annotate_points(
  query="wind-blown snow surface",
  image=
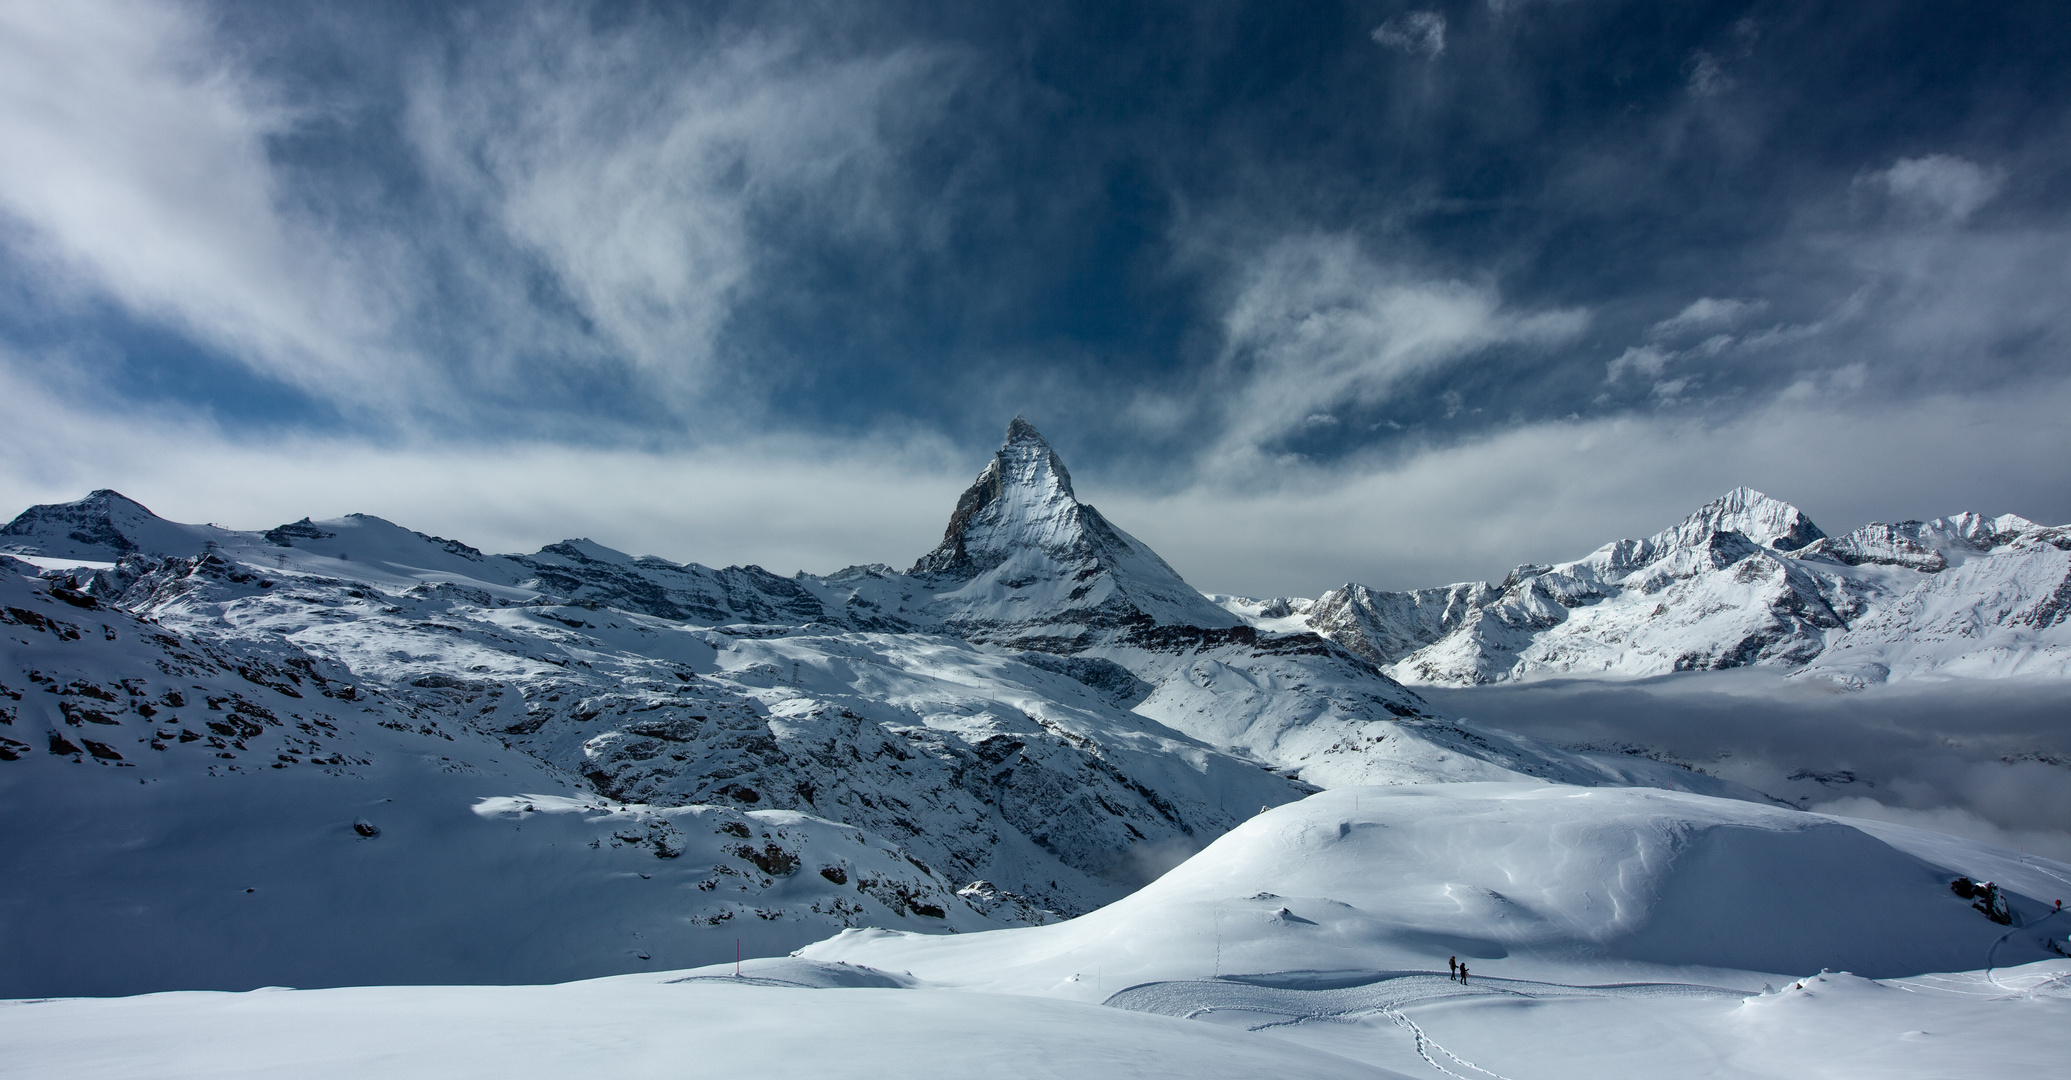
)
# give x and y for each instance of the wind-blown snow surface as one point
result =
(1530, 881)
(1746, 580)
(1609, 933)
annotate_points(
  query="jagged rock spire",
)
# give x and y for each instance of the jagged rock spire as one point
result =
(1021, 551)
(1025, 483)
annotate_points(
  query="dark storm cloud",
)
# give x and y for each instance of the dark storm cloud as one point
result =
(1221, 252)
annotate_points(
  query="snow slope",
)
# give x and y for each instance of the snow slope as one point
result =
(1528, 881)
(180, 814)
(1609, 932)
(633, 1027)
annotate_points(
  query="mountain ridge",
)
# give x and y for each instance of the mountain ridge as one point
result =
(1745, 580)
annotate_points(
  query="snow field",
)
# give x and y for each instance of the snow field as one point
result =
(630, 1027)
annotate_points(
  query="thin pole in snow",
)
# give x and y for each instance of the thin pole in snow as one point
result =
(737, 958)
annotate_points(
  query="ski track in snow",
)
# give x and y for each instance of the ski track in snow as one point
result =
(1383, 992)
(1386, 994)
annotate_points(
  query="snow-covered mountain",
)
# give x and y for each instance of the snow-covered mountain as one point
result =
(342, 752)
(1024, 560)
(1746, 580)
(1035, 721)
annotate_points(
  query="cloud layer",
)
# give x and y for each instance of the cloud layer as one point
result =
(1408, 295)
(1989, 762)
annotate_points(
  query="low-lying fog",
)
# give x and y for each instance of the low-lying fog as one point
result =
(1985, 760)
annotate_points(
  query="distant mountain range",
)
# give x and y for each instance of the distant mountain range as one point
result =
(1746, 580)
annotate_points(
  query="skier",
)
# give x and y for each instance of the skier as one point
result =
(1452, 967)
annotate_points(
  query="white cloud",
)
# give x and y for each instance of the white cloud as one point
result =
(1416, 32)
(1317, 324)
(1705, 313)
(1644, 361)
(1468, 511)
(1670, 390)
(785, 501)
(1955, 821)
(631, 170)
(1941, 185)
(1546, 492)
(1649, 362)
(1966, 757)
(137, 159)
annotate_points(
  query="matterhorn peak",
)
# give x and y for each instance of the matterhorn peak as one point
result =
(1023, 495)
(1022, 552)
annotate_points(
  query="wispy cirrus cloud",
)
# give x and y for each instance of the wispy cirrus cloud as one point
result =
(642, 179)
(138, 167)
(1316, 324)
(1708, 313)
(575, 211)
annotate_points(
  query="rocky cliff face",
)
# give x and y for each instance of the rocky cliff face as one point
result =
(1994, 602)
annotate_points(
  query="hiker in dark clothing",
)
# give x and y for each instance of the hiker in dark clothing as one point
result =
(1452, 967)
(1463, 974)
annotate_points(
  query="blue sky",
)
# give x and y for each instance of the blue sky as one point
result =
(1305, 293)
